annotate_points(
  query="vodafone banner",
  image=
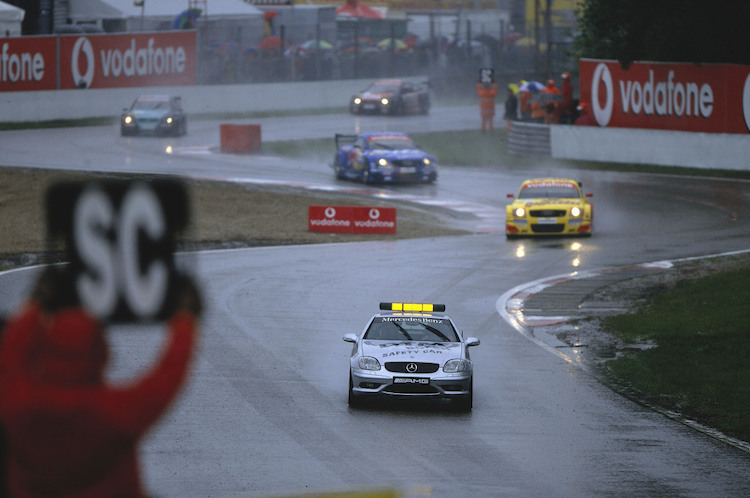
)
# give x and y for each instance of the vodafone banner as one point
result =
(133, 59)
(352, 219)
(97, 61)
(28, 63)
(708, 98)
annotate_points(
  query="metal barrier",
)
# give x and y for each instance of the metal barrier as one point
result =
(529, 139)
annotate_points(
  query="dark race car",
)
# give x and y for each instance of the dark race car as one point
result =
(154, 115)
(382, 157)
(392, 97)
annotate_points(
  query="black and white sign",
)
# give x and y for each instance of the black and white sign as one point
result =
(120, 238)
(486, 75)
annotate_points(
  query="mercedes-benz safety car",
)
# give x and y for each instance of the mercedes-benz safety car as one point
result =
(154, 115)
(383, 157)
(411, 350)
(549, 206)
(392, 96)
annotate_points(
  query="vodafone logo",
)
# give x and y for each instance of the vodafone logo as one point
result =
(330, 212)
(374, 214)
(661, 94)
(82, 50)
(602, 112)
(746, 102)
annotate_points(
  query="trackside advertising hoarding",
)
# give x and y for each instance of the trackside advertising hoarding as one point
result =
(710, 98)
(352, 219)
(98, 61)
(28, 63)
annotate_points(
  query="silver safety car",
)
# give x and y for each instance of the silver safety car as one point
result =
(411, 350)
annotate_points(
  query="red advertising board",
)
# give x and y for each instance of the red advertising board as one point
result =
(352, 219)
(28, 63)
(709, 98)
(125, 60)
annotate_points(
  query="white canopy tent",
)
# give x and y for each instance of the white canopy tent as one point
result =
(11, 18)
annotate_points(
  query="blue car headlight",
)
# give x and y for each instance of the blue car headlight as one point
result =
(383, 163)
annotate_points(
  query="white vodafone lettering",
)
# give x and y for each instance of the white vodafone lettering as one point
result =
(666, 98)
(97, 287)
(145, 61)
(144, 291)
(24, 66)
(113, 265)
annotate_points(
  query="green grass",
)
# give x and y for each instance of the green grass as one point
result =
(699, 366)
(472, 148)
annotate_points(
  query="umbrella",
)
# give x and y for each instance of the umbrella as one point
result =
(546, 97)
(270, 43)
(393, 42)
(313, 44)
(186, 19)
(531, 86)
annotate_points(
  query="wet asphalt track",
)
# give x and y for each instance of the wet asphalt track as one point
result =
(265, 410)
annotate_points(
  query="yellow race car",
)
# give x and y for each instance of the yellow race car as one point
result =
(549, 206)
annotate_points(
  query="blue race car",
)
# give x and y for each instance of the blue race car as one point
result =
(154, 115)
(381, 157)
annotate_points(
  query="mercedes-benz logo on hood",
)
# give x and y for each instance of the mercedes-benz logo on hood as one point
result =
(411, 367)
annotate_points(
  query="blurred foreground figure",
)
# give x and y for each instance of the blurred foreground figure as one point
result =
(69, 433)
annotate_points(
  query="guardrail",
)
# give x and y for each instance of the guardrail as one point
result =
(529, 139)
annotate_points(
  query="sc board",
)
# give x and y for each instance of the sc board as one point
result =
(120, 239)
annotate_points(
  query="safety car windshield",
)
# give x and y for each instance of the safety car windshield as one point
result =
(411, 328)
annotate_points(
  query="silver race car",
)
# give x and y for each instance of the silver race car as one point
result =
(411, 350)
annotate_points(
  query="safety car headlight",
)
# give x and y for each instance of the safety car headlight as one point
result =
(455, 365)
(168, 120)
(357, 100)
(369, 363)
(519, 212)
(384, 101)
(576, 212)
(127, 119)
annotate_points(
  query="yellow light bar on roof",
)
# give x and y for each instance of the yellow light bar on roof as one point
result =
(418, 307)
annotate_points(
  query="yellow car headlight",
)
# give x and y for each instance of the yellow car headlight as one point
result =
(576, 212)
(519, 212)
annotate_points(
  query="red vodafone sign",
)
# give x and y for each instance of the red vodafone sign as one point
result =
(708, 98)
(28, 63)
(352, 219)
(133, 59)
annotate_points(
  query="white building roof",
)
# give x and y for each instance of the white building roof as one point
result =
(158, 8)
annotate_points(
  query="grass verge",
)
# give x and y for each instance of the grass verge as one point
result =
(701, 341)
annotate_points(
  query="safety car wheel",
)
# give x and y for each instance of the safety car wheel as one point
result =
(465, 403)
(354, 400)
